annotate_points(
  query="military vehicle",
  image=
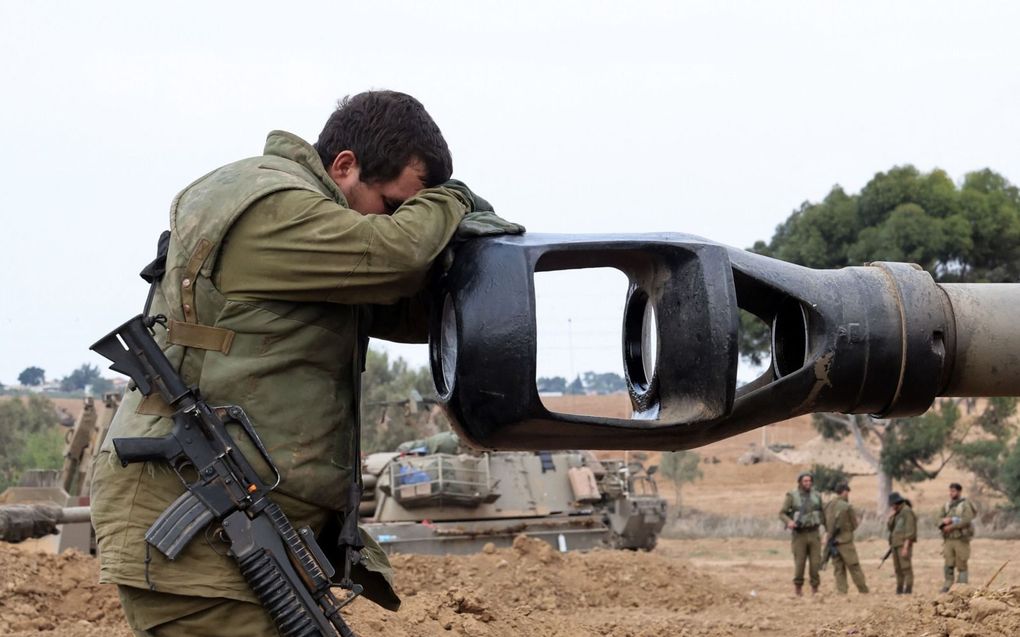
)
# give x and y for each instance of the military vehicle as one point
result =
(54, 504)
(430, 498)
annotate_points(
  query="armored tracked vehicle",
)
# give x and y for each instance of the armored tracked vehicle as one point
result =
(429, 497)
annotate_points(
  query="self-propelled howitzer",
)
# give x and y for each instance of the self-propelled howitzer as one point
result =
(884, 339)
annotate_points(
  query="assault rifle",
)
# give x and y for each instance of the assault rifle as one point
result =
(284, 566)
(885, 557)
(830, 550)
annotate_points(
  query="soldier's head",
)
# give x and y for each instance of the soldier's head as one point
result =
(805, 481)
(842, 490)
(955, 490)
(381, 148)
(896, 500)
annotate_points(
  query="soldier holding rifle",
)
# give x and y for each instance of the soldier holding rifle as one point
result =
(802, 515)
(840, 522)
(957, 529)
(902, 526)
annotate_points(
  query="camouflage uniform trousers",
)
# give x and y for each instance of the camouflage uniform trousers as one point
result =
(904, 569)
(155, 614)
(847, 560)
(956, 553)
(807, 547)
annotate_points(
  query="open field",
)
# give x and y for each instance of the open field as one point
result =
(707, 587)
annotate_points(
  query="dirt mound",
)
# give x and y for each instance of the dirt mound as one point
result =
(40, 593)
(966, 612)
(532, 589)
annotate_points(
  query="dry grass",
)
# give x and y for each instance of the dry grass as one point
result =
(694, 524)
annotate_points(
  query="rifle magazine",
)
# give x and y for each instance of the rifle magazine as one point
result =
(176, 526)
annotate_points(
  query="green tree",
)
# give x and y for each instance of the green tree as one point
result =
(826, 478)
(965, 233)
(680, 467)
(554, 384)
(604, 383)
(86, 376)
(396, 403)
(29, 438)
(917, 449)
(32, 376)
(994, 459)
(576, 387)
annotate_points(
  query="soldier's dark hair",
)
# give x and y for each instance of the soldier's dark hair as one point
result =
(385, 130)
(955, 485)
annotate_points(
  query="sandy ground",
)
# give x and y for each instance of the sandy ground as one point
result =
(685, 587)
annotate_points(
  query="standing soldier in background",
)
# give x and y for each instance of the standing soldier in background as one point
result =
(902, 527)
(956, 527)
(802, 514)
(840, 523)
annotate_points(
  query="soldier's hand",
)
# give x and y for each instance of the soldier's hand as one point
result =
(474, 225)
(791, 525)
(485, 224)
(904, 551)
(473, 202)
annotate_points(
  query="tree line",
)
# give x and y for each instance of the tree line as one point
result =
(86, 376)
(586, 383)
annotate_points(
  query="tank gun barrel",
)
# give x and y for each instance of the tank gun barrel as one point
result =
(987, 353)
(883, 339)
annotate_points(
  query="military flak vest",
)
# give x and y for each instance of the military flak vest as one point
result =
(291, 365)
(806, 512)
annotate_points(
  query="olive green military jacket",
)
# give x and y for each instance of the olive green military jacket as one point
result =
(805, 510)
(902, 527)
(271, 289)
(962, 512)
(841, 520)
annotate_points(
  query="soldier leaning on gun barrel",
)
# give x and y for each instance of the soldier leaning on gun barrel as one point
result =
(902, 526)
(280, 267)
(840, 522)
(802, 514)
(957, 529)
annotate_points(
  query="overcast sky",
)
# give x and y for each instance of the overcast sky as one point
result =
(714, 118)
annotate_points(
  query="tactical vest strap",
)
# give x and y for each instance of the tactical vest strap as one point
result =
(216, 339)
(154, 405)
(198, 257)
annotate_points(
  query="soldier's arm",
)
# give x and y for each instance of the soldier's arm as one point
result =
(299, 245)
(405, 321)
(910, 526)
(784, 513)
